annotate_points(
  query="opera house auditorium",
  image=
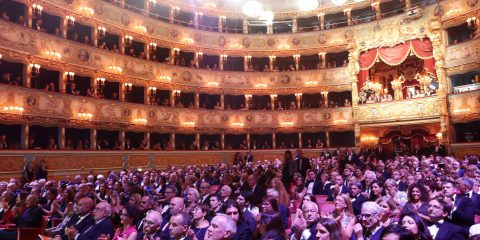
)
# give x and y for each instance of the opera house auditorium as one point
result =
(239, 119)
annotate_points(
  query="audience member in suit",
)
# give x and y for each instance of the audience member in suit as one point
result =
(370, 226)
(146, 204)
(305, 223)
(31, 217)
(204, 191)
(177, 204)
(466, 186)
(284, 212)
(179, 227)
(151, 226)
(337, 188)
(82, 218)
(438, 210)
(313, 184)
(463, 213)
(103, 226)
(357, 197)
(395, 231)
(255, 188)
(303, 163)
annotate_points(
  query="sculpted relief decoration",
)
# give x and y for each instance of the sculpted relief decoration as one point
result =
(400, 110)
(463, 53)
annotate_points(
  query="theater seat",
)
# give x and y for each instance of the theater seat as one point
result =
(321, 198)
(327, 207)
(32, 233)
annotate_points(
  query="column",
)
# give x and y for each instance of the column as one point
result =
(122, 92)
(62, 82)
(321, 20)
(300, 145)
(271, 62)
(327, 139)
(298, 97)
(146, 95)
(197, 99)
(245, 25)
(294, 25)
(357, 133)
(61, 137)
(221, 62)
(147, 8)
(171, 14)
(408, 4)
(197, 143)
(326, 99)
(27, 75)
(94, 36)
(222, 101)
(121, 44)
(195, 19)
(272, 101)
(269, 28)
(147, 51)
(172, 140)
(196, 58)
(323, 59)
(246, 103)
(222, 140)
(376, 8)
(122, 138)
(64, 27)
(248, 140)
(172, 55)
(29, 16)
(245, 62)
(220, 23)
(147, 139)
(172, 98)
(24, 137)
(348, 13)
(274, 144)
(93, 139)
(296, 58)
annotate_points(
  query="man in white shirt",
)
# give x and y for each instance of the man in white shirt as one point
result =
(370, 227)
(438, 210)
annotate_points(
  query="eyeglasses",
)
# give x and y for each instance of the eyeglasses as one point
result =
(367, 216)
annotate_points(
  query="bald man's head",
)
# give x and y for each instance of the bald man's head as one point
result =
(176, 205)
(85, 206)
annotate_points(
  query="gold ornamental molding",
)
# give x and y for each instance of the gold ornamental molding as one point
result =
(464, 107)
(404, 110)
(50, 109)
(465, 53)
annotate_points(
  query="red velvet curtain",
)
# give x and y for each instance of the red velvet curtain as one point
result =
(395, 55)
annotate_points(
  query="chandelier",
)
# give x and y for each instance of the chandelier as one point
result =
(252, 8)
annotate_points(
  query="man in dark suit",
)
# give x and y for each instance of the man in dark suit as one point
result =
(313, 184)
(103, 226)
(337, 188)
(31, 217)
(357, 197)
(151, 226)
(146, 204)
(179, 226)
(255, 188)
(464, 211)
(466, 184)
(305, 224)
(438, 210)
(82, 219)
(303, 163)
(204, 191)
(370, 226)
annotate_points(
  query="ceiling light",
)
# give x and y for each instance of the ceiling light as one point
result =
(338, 2)
(307, 5)
(267, 16)
(252, 8)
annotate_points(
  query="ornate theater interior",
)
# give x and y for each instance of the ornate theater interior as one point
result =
(100, 86)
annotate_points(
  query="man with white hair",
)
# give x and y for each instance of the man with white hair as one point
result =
(151, 226)
(305, 222)
(370, 227)
(370, 176)
(103, 224)
(222, 227)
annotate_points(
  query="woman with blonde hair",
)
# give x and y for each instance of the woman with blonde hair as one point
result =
(283, 196)
(343, 214)
(390, 211)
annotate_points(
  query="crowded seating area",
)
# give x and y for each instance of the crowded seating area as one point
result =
(335, 195)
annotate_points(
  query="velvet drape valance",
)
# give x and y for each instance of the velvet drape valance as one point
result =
(422, 48)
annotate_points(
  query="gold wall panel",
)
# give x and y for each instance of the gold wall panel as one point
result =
(81, 161)
(413, 109)
(137, 160)
(11, 163)
(464, 107)
(463, 53)
(461, 149)
(189, 159)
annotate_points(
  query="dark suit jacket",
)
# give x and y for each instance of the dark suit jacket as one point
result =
(243, 232)
(312, 228)
(80, 226)
(93, 232)
(402, 186)
(357, 204)
(344, 189)
(464, 214)
(317, 186)
(31, 217)
(476, 202)
(156, 235)
(259, 193)
(305, 165)
(285, 213)
(449, 231)
(378, 234)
